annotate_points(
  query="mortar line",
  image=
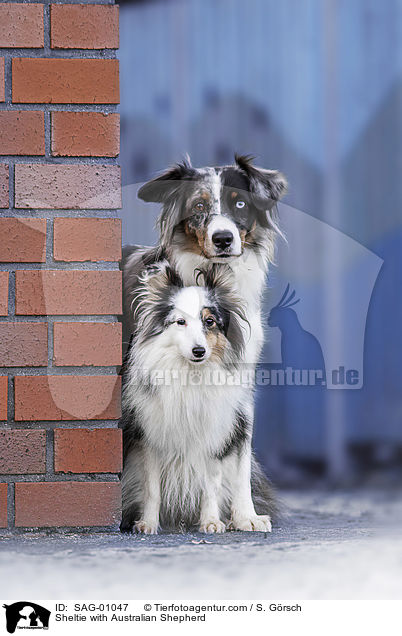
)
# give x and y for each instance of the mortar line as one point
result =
(53, 424)
(62, 317)
(10, 505)
(58, 54)
(49, 453)
(10, 399)
(79, 108)
(99, 266)
(11, 183)
(46, 27)
(7, 78)
(93, 371)
(11, 294)
(48, 135)
(59, 477)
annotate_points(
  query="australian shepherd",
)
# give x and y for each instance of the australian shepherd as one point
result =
(186, 413)
(224, 216)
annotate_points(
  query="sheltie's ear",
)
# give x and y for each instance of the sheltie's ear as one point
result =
(156, 282)
(158, 190)
(267, 187)
(173, 277)
(216, 276)
(153, 298)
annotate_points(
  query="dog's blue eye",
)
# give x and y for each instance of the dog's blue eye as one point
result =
(181, 321)
(240, 204)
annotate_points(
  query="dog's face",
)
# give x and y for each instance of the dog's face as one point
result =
(215, 212)
(193, 324)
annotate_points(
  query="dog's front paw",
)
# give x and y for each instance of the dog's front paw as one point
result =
(146, 527)
(212, 525)
(255, 523)
(126, 527)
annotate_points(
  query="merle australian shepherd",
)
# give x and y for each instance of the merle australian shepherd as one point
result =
(187, 448)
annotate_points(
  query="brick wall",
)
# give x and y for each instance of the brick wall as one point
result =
(60, 285)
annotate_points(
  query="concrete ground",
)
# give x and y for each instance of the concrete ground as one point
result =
(329, 546)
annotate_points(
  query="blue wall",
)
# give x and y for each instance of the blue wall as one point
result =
(312, 87)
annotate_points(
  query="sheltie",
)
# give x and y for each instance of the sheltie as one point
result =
(187, 413)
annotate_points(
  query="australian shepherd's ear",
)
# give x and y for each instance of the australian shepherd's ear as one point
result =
(266, 187)
(160, 189)
(268, 184)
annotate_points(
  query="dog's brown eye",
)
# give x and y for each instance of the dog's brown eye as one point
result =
(240, 204)
(199, 206)
(209, 322)
(181, 321)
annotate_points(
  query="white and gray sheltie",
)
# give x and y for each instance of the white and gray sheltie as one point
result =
(203, 471)
(186, 410)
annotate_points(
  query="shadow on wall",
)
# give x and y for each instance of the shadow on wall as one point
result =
(293, 402)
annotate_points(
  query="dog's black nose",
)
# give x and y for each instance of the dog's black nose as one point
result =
(222, 239)
(198, 352)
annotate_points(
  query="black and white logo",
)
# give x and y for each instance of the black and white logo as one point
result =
(26, 615)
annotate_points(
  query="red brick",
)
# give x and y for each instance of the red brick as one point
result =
(87, 239)
(3, 185)
(66, 504)
(23, 344)
(3, 293)
(74, 292)
(87, 343)
(85, 134)
(81, 450)
(67, 186)
(3, 397)
(22, 240)
(2, 85)
(83, 26)
(22, 132)
(67, 397)
(22, 452)
(21, 25)
(65, 81)
(3, 505)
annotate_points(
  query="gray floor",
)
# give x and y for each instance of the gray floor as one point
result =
(329, 546)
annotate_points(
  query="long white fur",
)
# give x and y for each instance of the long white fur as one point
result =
(184, 427)
(175, 470)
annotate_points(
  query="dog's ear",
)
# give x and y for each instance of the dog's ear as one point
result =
(215, 276)
(161, 188)
(160, 277)
(266, 186)
(174, 277)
